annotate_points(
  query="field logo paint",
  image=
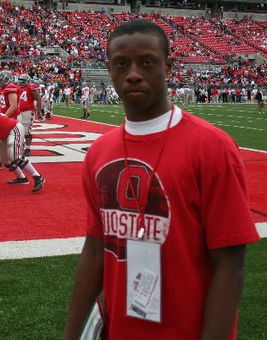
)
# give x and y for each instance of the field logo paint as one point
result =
(62, 145)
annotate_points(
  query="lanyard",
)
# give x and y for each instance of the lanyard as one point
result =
(141, 210)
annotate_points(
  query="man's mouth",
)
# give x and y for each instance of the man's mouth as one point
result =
(135, 92)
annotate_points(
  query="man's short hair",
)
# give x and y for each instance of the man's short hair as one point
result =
(140, 26)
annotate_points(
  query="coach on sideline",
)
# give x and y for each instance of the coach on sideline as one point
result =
(168, 215)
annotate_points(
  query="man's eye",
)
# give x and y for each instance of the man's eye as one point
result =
(120, 64)
(147, 63)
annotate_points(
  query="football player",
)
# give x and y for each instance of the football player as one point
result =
(85, 100)
(42, 91)
(11, 147)
(8, 96)
(28, 93)
(50, 101)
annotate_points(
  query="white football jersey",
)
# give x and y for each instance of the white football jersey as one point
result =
(85, 92)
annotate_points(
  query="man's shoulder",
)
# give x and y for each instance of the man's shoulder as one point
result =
(104, 147)
(10, 88)
(108, 138)
(206, 131)
(33, 86)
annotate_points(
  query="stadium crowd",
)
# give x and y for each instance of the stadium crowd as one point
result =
(213, 44)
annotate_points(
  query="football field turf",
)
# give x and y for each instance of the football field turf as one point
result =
(241, 121)
(34, 292)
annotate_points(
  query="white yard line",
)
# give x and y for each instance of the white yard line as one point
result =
(60, 246)
(233, 116)
(239, 127)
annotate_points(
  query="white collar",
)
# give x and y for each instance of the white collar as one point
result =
(155, 125)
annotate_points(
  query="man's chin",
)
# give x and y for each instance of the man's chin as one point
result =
(136, 98)
(136, 104)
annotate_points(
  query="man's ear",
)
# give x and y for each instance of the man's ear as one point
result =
(169, 65)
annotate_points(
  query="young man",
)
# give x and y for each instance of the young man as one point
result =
(42, 92)
(168, 216)
(50, 101)
(85, 100)
(258, 98)
(11, 146)
(67, 93)
(28, 94)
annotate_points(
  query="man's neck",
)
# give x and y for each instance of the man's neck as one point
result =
(137, 115)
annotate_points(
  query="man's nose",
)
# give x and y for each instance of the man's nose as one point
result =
(134, 74)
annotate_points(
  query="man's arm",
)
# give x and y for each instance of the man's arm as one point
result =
(37, 97)
(13, 103)
(87, 286)
(224, 292)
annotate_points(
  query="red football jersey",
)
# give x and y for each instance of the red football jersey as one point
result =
(26, 98)
(4, 101)
(6, 124)
(197, 201)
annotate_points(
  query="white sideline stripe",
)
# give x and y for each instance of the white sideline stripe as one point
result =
(60, 246)
(79, 119)
(41, 248)
(254, 150)
(262, 229)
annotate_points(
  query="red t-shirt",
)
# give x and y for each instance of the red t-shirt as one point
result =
(26, 98)
(198, 201)
(237, 91)
(6, 124)
(4, 101)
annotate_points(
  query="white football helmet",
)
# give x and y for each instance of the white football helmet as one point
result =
(5, 78)
(24, 79)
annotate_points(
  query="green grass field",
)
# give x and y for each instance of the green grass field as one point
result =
(35, 293)
(34, 296)
(241, 121)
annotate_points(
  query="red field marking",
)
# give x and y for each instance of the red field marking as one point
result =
(42, 152)
(256, 168)
(253, 155)
(58, 211)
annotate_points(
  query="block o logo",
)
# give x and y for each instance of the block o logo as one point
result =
(118, 207)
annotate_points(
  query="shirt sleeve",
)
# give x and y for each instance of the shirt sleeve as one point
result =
(94, 222)
(11, 89)
(225, 206)
(34, 87)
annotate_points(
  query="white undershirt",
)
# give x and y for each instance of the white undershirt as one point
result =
(155, 125)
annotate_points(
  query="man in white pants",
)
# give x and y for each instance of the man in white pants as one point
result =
(11, 147)
(85, 100)
(28, 94)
